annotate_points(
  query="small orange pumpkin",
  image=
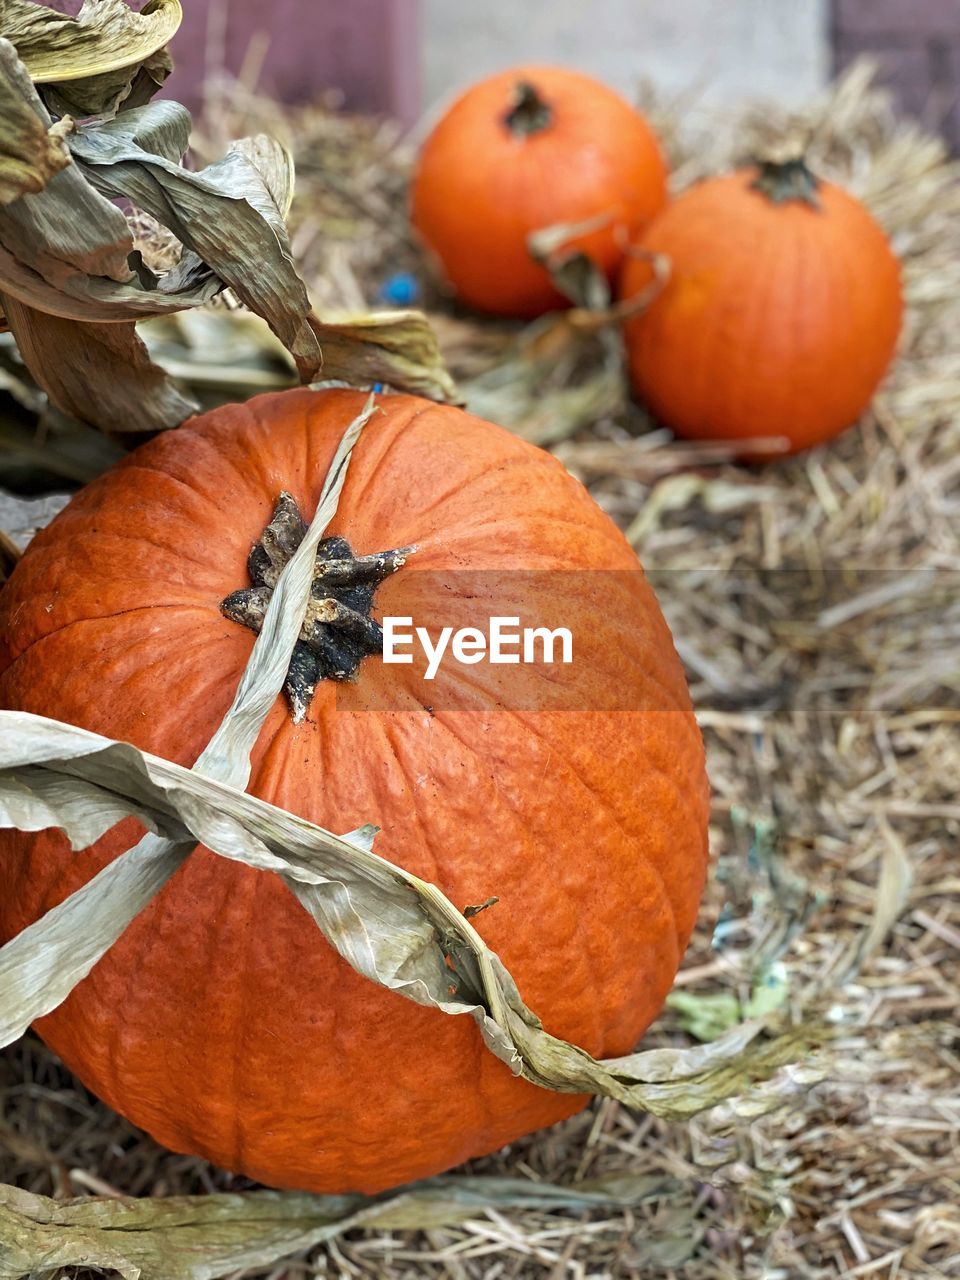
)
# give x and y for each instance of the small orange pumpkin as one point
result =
(781, 313)
(221, 1021)
(521, 151)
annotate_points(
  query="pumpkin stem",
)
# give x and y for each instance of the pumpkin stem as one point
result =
(529, 113)
(785, 180)
(337, 632)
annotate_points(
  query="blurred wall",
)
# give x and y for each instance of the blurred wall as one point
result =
(917, 48)
(732, 49)
(396, 56)
(295, 50)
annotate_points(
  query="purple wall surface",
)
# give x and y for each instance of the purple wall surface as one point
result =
(298, 49)
(917, 44)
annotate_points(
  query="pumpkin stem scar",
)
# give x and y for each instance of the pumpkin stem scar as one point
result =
(785, 180)
(338, 631)
(528, 113)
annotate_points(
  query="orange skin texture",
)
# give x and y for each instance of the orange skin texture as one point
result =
(480, 190)
(222, 1022)
(777, 320)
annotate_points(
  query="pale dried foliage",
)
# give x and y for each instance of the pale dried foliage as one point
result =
(818, 613)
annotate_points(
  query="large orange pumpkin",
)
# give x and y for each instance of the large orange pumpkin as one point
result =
(781, 314)
(222, 1022)
(521, 151)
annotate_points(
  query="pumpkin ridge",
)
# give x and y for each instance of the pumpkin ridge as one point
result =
(653, 767)
(139, 540)
(464, 742)
(132, 465)
(614, 538)
(528, 843)
(464, 677)
(106, 617)
(392, 436)
(766, 305)
(119, 1033)
(457, 488)
(238, 1004)
(438, 868)
(633, 837)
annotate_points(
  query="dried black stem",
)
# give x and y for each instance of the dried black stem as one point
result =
(338, 631)
(529, 112)
(785, 180)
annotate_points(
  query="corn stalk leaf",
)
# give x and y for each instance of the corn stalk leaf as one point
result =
(89, 64)
(67, 252)
(225, 214)
(142, 399)
(203, 1237)
(398, 348)
(389, 925)
(32, 149)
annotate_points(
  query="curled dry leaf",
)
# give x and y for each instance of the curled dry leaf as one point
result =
(67, 257)
(89, 64)
(394, 347)
(143, 399)
(32, 149)
(274, 163)
(202, 1237)
(225, 214)
(68, 254)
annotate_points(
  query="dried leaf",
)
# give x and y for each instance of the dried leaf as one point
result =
(32, 149)
(68, 251)
(275, 165)
(94, 61)
(572, 271)
(203, 1237)
(67, 255)
(223, 353)
(397, 348)
(225, 213)
(69, 359)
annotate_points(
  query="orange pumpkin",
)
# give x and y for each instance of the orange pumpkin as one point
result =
(521, 151)
(222, 1022)
(781, 313)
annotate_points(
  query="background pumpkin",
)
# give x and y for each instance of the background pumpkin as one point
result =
(521, 151)
(222, 1022)
(781, 314)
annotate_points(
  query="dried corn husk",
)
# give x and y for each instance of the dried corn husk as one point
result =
(73, 283)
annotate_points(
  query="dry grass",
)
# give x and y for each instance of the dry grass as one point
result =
(817, 604)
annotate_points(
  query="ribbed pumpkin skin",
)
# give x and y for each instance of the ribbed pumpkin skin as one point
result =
(480, 190)
(222, 1022)
(778, 319)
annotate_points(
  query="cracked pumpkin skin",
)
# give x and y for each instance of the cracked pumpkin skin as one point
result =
(222, 1022)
